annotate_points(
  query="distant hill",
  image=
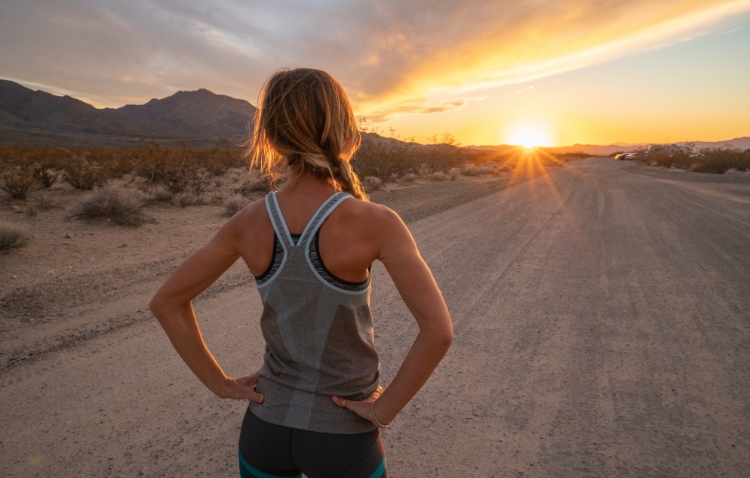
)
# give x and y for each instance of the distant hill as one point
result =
(597, 150)
(37, 118)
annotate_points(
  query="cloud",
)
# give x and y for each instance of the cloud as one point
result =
(393, 57)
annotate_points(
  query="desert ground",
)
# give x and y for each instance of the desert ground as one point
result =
(601, 314)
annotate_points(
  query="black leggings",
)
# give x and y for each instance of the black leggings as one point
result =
(267, 450)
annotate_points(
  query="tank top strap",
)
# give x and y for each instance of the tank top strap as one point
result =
(277, 219)
(325, 209)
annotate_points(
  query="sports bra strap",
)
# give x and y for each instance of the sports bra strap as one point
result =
(279, 224)
(274, 212)
(323, 212)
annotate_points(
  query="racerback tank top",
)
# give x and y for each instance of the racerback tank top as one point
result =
(319, 335)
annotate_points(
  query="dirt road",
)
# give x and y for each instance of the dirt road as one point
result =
(602, 318)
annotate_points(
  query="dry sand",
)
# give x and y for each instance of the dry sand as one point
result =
(602, 318)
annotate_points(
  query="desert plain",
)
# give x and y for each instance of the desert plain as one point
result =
(601, 314)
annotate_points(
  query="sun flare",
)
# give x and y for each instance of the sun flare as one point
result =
(529, 136)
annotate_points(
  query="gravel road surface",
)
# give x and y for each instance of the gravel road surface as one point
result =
(602, 318)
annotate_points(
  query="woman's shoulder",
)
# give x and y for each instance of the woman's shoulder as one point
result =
(368, 217)
(249, 220)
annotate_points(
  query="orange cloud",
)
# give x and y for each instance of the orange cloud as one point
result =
(393, 57)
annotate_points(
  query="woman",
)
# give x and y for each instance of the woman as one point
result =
(316, 405)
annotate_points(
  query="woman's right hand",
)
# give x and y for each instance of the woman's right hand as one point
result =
(363, 408)
(243, 388)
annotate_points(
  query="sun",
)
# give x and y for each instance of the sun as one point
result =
(529, 136)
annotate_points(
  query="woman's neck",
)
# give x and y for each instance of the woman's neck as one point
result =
(307, 185)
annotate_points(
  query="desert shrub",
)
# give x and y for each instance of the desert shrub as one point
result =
(371, 183)
(409, 177)
(453, 173)
(17, 182)
(12, 237)
(44, 173)
(84, 174)
(45, 202)
(121, 208)
(187, 200)
(263, 184)
(159, 194)
(389, 158)
(721, 160)
(30, 211)
(235, 205)
(482, 169)
(708, 160)
(439, 176)
(184, 169)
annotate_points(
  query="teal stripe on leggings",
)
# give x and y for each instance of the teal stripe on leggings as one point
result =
(256, 473)
(380, 471)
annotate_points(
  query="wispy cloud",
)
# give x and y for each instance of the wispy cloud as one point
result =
(393, 57)
(417, 106)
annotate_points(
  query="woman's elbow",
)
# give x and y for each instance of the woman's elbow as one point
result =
(446, 338)
(157, 306)
(442, 338)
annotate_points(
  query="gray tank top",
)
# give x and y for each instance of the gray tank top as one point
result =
(319, 335)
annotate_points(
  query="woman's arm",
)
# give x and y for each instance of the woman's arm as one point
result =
(172, 306)
(422, 296)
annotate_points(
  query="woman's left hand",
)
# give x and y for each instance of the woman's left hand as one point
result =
(243, 388)
(363, 408)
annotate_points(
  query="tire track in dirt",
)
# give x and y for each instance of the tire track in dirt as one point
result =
(77, 307)
(601, 330)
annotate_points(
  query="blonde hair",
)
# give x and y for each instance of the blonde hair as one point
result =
(304, 119)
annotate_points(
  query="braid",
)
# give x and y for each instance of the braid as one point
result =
(349, 181)
(342, 173)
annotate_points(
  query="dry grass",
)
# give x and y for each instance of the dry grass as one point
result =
(439, 176)
(482, 169)
(44, 203)
(17, 182)
(251, 186)
(11, 237)
(235, 205)
(121, 208)
(371, 183)
(84, 174)
(187, 200)
(159, 194)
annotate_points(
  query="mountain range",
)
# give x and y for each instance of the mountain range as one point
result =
(37, 118)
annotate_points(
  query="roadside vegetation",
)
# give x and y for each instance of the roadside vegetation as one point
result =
(187, 173)
(687, 157)
(115, 185)
(121, 208)
(11, 237)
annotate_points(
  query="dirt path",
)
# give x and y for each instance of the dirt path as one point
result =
(601, 316)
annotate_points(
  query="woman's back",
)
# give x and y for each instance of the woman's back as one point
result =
(318, 331)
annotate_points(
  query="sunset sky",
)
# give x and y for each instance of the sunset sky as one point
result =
(489, 72)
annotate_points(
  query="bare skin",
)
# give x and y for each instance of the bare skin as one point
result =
(355, 235)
